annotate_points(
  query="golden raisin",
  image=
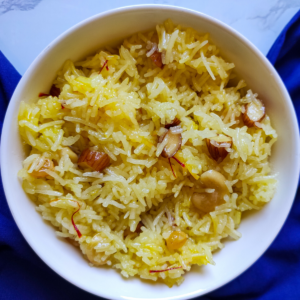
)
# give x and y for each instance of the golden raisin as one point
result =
(156, 58)
(176, 240)
(54, 91)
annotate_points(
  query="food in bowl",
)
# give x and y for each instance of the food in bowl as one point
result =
(146, 155)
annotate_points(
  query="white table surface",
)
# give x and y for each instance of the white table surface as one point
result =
(28, 26)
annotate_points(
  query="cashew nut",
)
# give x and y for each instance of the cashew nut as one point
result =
(207, 202)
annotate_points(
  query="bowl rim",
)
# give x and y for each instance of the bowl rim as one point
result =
(120, 10)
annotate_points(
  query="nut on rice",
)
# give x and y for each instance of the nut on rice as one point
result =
(118, 103)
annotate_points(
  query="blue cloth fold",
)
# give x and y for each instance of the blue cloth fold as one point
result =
(276, 275)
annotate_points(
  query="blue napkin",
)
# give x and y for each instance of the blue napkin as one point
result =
(276, 275)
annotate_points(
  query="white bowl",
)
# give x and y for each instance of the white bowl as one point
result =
(258, 229)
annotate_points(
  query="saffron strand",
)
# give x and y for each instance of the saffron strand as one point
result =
(74, 225)
(182, 164)
(104, 66)
(169, 269)
(171, 167)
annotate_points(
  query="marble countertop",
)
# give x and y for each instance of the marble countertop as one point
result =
(28, 26)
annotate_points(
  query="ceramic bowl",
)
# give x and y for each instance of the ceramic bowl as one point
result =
(258, 229)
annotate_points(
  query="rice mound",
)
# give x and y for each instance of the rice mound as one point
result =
(118, 101)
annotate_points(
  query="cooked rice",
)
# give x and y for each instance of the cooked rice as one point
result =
(120, 111)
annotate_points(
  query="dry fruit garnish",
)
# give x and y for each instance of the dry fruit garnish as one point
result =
(156, 58)
(54, 91)
(253, 112)
(173, 143)
(206, 202)
(176, 240)
(175, 122)
(217, 146)
(93, 159)
(173, 140)
(48, 165)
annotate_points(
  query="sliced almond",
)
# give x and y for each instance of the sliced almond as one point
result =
(217, 147)
(175, 122)
(254, 112)
(93, 159)
(173, 143)
(156, 58)
(48, 165)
